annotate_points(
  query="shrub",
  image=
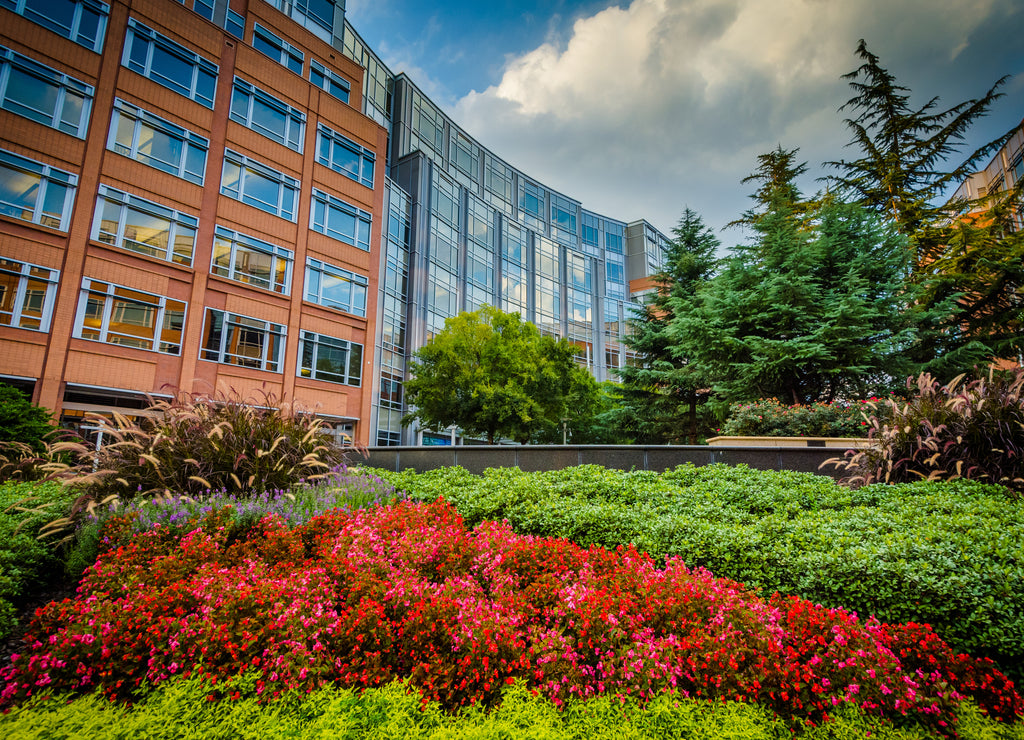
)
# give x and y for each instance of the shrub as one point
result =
(972, 430)
(182, 708)
(21, 420)
(946, 554)
(194, 444)
(26, 564)
(407, 591)
(769, 418)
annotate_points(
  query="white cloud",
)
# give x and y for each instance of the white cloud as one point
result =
(667, 103)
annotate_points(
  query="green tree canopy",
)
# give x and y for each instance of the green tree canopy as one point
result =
(811, 308)
(662, 389)
(490, 373)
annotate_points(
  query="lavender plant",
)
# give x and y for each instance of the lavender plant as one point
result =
(342, 488)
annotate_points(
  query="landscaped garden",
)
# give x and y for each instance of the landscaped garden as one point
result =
(699, 602)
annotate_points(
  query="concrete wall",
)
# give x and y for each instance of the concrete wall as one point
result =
(620, 457)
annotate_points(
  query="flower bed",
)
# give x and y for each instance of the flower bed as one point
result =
(358, 599)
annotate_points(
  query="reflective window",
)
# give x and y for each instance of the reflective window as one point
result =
(27, 293)
(44, 95)
(35, 192)
(131, 318)
(241, 340)
(82, 21)
(251, 261)
(277, 49)
(335, 287)
(259, 186)
(267, 115)
(134, 223)
(234, 23)
(345, 156)
(329, 81)
(149, 139)
(339, 220)
(326, 358)
(465, 156)
(170, 64)
(315, 15)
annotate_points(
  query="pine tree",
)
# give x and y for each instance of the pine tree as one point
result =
(661, 391)
(811, 308)
(903, 171)
(968, 269)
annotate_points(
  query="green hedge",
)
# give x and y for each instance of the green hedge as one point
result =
(948, 554)
(26, 564)
(182, 710)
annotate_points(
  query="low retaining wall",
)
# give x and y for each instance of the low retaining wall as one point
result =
(621, 457)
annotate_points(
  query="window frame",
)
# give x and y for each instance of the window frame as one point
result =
(295, 120)
(238, 243)
(353, 360)
(24, 276)
(314, 288)
(47, 174)
(126, 201)
(328, 80)
(66, 85)
(154, 40)
(286, 182)
(190, 141)
(276, 333)
(324, 203)
(161, 307)
(328, 138)
(287, 55)
(74, 32)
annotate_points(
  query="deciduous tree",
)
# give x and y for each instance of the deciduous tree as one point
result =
(490, 373)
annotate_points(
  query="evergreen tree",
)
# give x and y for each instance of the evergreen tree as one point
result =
(811, 308)
(968, 269)
(903, 170)
(661, 391)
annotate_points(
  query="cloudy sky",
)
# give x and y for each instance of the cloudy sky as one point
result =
(642, 108)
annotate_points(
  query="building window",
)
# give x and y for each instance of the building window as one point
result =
(234, 23)
(326, 358)
(277, 49)
(27, 293)
(615, 272)
(315, 15)
(44, 95)
(149, 139)
(267, 115)
(36, 192)
(251, 261)
(345, 156)
(240, 340)
(258, 185)
(329, 81)
(169, 64)
(130, 222)
(82, 21)
(118, 315)
(465, 155)
(339, 220)
(335, 288)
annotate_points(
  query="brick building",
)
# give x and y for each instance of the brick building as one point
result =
(240, 196)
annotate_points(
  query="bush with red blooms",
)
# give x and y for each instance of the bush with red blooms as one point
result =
(357, 599)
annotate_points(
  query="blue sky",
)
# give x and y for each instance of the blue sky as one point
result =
(642, 108)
